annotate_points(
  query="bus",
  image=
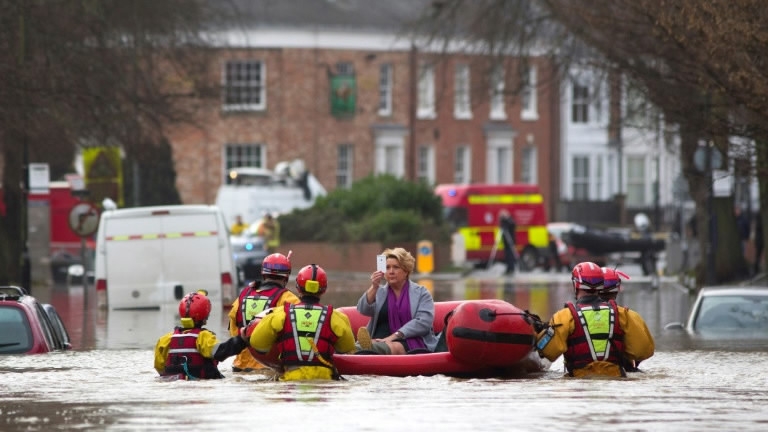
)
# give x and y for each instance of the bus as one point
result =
(473, 211)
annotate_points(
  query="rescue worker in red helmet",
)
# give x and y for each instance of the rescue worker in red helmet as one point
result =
(307, 334)
(191, 351)
(594, 336)
(611, 289)
(270, 292)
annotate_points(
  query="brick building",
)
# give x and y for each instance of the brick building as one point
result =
(336, 84)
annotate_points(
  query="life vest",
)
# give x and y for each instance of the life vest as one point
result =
(597, 335)
(255, 300)
(183, 349)
(305, 322)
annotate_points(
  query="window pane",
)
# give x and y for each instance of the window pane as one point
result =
(243, 84)
(344, 166)
(242, 155)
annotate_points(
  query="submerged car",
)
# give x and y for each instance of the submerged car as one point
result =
(27, 326)
(738, 311)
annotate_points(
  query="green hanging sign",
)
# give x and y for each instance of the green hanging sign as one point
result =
(343, 95)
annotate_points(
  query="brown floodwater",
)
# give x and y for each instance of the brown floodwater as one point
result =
(107, 381)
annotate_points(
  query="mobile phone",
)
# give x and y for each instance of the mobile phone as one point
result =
(381, 265)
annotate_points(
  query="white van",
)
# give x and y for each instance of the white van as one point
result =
(147, 257)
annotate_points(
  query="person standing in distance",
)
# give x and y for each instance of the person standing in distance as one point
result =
(508, 228)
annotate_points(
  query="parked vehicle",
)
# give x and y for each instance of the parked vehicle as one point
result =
(738, 312)
(473, 210)
(249, 251)
(251, 192)
(27, 326)
(569, 254)
(150, 256)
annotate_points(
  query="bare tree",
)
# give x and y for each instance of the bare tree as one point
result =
(84, 73)
(700, 63)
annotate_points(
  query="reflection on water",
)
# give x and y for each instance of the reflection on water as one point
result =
(108, 383)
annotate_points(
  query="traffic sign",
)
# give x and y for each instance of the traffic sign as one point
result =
(84, 219)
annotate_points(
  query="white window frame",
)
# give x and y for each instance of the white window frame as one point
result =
(579, 112)
(529, 165)
(385, 89)
(462, 107)
(250, 84)
(462, 169)
(344, 165)
(390, 152)
(425, 163)
(426, 92)
(500, 158)
(578, 180)
(498, 108)
(242, 155)
(529, 96)
(636, 182)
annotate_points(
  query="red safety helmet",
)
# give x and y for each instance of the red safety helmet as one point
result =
(196, 306)
(612, 280)
(312, 280)
(276, 264)
(587, 276)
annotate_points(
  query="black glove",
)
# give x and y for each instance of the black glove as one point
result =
(538, 324)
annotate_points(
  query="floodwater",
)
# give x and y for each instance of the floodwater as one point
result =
(107, 381)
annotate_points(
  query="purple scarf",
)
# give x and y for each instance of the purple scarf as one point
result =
(399, 311)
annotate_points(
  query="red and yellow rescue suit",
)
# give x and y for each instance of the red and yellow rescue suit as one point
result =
(194, 353)
(597, 337)
(253, 300)
(303, 333)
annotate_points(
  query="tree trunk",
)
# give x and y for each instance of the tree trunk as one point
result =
(11, 223)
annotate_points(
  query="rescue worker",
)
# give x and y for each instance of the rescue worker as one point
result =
(269, 228)
(258, 296)
(307, 334)
(611, 288)
(238, 227)
(594, 336)
(507, 229)
(191, 351)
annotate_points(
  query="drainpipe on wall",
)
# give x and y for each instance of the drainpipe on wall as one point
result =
(413, 76)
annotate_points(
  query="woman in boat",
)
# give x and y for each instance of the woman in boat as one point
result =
(401, 311)
(308, 333)
(595, 336)
(191, 351)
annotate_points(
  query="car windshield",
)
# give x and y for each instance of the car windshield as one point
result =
(16, 336)
(733, 312)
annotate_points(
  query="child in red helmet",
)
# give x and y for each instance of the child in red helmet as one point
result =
(191, 351)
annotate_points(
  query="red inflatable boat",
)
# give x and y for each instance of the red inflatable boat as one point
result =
(484, 338)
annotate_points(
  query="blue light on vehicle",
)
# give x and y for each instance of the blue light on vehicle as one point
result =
(451, 192)
(249, 246)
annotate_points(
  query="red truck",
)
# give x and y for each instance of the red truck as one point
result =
(473, 210)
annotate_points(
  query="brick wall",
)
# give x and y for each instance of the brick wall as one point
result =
(351, 257)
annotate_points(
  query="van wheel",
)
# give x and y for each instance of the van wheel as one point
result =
(528, 259)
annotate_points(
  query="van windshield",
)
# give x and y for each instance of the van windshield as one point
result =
(456, 216)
